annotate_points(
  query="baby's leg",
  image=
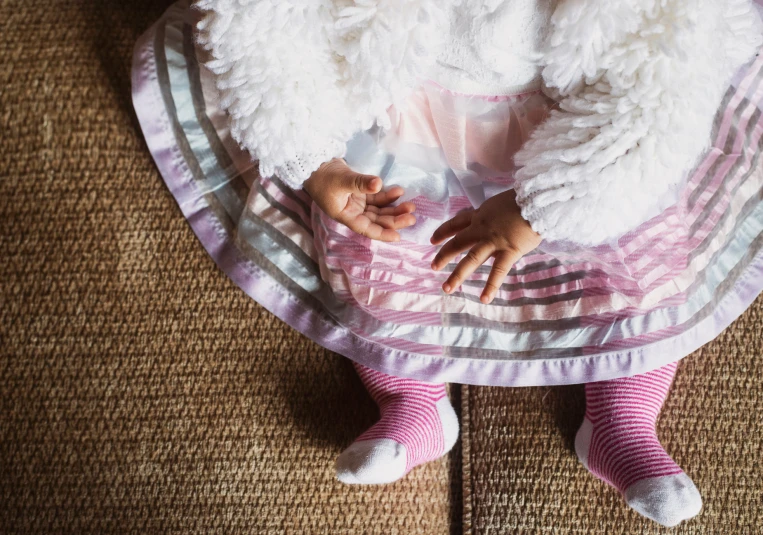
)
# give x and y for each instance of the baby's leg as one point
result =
(417, 425)
(618, 443)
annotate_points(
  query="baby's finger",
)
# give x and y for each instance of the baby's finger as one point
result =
(460, 243)
(383, 198)
(452, 226)
(392, 222)
(365, 227)
(376, 232)
(502, 264)
(476, 256)
(405, 208)
(357, 183)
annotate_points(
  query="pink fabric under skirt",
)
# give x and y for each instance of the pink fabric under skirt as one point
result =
(564, 314)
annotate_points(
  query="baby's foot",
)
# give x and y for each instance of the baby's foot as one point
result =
(417, 425)
(618, 443)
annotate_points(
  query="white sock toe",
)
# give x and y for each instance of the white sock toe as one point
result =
(368, 462)
(667, 500)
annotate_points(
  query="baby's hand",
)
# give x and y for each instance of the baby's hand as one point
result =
(495, 229)
(357, 201)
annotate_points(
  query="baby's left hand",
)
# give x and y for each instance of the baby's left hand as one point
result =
(497, 229)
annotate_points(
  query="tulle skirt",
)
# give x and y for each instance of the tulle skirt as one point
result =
(564, 314)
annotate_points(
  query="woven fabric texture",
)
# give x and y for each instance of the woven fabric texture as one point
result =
(140, 390)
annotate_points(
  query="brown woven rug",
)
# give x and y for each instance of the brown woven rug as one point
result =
(142, 392)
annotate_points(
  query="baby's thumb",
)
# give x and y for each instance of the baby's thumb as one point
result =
(364, 184)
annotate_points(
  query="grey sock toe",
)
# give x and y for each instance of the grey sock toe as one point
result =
(668, 500)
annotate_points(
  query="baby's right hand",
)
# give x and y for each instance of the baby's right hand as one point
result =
(357, 201)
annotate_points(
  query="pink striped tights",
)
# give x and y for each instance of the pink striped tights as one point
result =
(617, 441)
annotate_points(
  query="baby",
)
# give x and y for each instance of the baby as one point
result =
(594, 162)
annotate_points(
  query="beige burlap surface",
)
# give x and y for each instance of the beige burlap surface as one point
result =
(140, 390)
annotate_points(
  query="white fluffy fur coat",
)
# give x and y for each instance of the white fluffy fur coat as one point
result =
(639, 83)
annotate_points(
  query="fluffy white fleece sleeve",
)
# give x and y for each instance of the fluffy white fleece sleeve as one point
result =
(299, 77)
(640, 82)
(277, 81)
